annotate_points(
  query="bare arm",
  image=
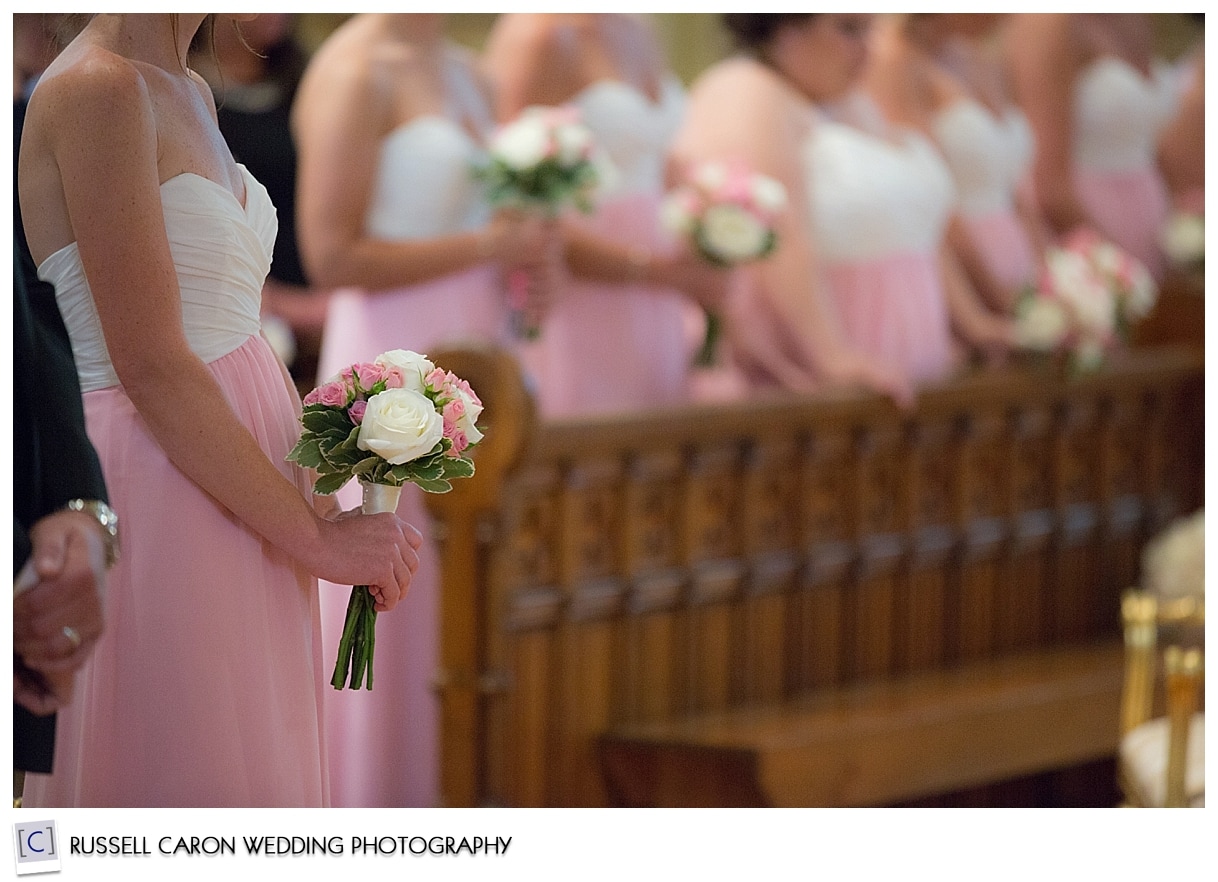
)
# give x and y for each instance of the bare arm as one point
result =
(1045, 60)
(984, 331)
(341, 113)
(102, 134)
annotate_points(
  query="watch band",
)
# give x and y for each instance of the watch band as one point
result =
(108, 520)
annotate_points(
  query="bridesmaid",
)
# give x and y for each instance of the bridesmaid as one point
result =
(862, 289)
(389, 121)
(1097, 99)
(205, 688)
(622, 335)
(939, 74)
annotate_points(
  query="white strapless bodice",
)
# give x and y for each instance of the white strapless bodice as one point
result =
(425, 184)
(988, 154)
(221, 251)
(1118, 113)
(634, 131)
(871, 198)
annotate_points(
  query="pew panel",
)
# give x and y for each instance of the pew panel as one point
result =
(648, 569)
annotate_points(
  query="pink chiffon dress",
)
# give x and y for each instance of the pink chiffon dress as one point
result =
(384, 743)
(878, 208)
(989, 156)
(603, 347)
(205, 689)
(1118, 115)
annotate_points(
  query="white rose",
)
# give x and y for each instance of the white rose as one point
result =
(1041, 325)
(675, 215)
(574, 141)
(414, 367)
(522, 144)
(467, 422)
(732, 234)
(1183, 239)
(1076, 284)
(400, 425)
(711, 176)
(1141, 296)
(769, 195)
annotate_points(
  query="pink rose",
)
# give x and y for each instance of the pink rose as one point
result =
(356, 411)
(452, 413)
(369, 374)
(435, 380)
(395, 377)
(460, 442)
(332, 394)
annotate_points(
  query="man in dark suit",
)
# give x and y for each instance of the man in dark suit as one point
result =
(64, 534)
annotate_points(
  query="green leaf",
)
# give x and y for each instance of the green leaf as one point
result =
(319, 419)
(439, 486)
(307, 453)
(458, 468)
(331, 483)
(365, 466)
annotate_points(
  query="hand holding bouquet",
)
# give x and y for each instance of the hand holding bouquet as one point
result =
(543, 161)
(1090, 294)
(727, 214)
(394, 421)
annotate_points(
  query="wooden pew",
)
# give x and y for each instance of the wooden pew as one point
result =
(628, 601)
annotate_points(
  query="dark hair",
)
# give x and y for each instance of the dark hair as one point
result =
(755, 31)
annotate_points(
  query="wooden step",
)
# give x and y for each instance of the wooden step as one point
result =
(880, 743)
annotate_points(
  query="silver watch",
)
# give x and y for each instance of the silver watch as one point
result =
(105, 516)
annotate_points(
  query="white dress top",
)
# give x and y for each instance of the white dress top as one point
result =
(633, 130)
(872, 198)
(988, 154)
(425, 184)
(222, 253)
(1118, 113)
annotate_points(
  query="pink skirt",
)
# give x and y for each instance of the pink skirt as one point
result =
(205, 689)
(1004, 247)
(384, 744)
(1130, 208)
(606, 348)
(894, 309)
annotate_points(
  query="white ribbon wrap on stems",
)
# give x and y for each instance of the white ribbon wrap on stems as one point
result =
(380, 498)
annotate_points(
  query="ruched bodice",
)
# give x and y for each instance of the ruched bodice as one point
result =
(221, 251)
(1119, 112)
(424, 183)
(871, 198)
(988, 154)
(633, 130)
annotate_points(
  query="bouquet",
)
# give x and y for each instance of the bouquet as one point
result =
(545, 160)
(727, 214)
(1183, 240)
(1090, 294)
(396, 420)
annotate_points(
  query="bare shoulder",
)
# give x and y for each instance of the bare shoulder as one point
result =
(527, 35)
(89, 87)
(350, 66)
(741, 81)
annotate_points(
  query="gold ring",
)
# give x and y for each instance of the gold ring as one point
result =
(72, 635)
